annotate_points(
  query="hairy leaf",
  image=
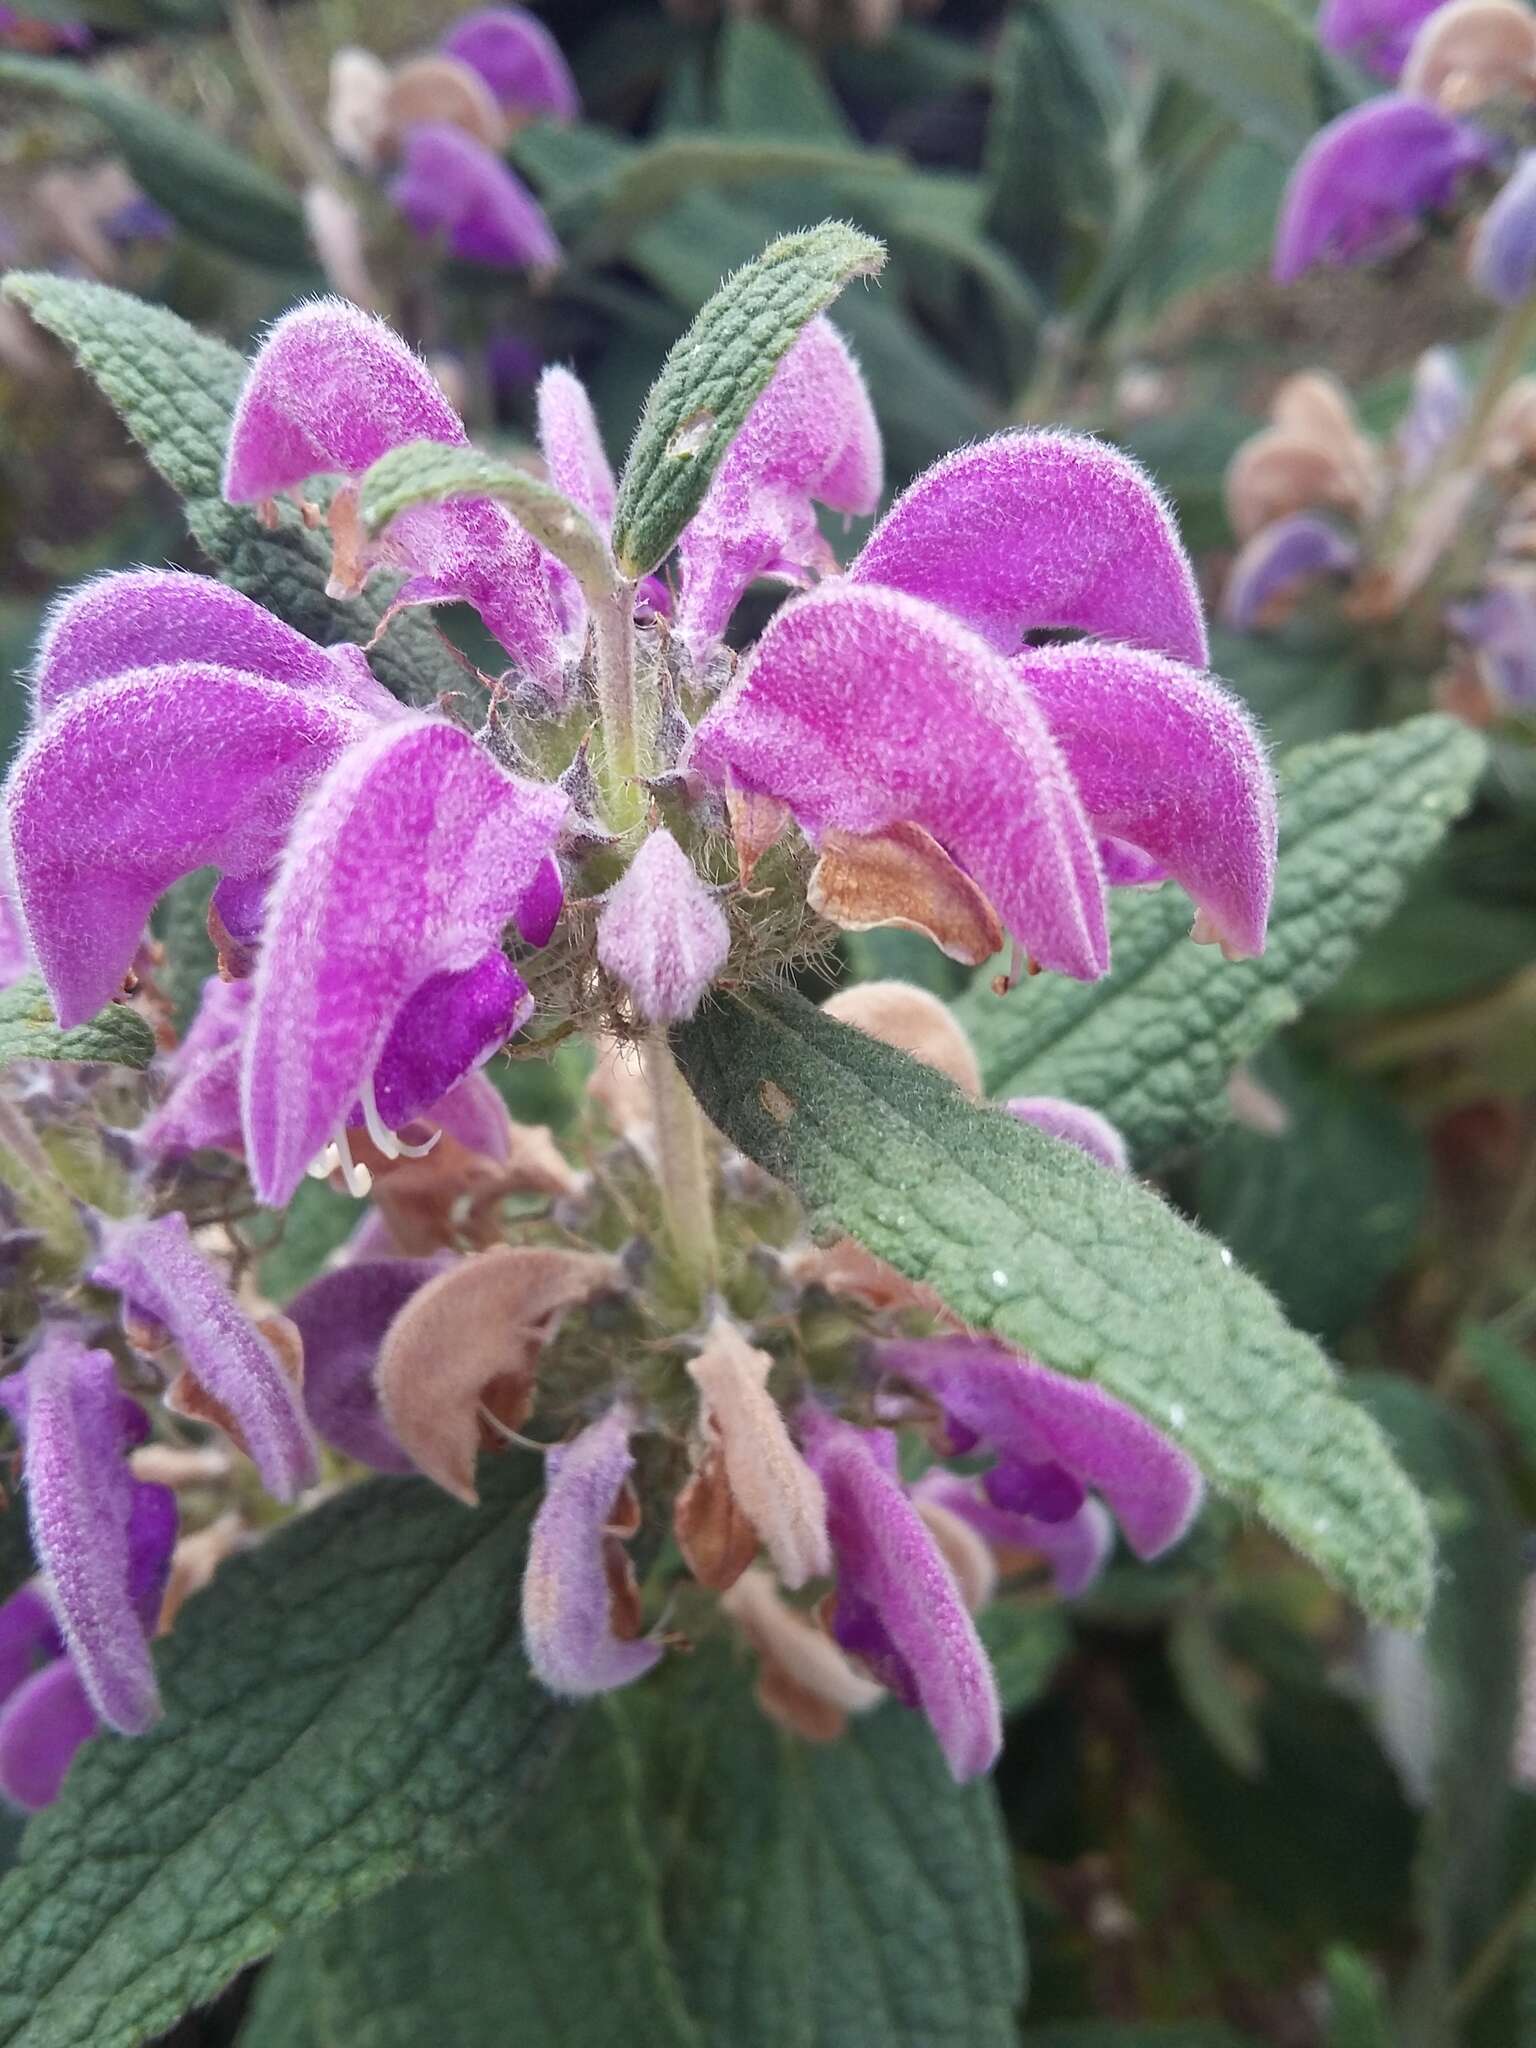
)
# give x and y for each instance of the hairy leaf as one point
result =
(713, 374)
(116, 1036)
(174, 390)
(1152, 1044)
(1357, 2012)
(1026, 1239)
(208, 188)
(346, 1704)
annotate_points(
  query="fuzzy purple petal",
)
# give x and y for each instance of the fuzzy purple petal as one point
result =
(1503, 260)
(448, 1028)
(1085, 1128)
(42, 1726)
(1034, 530)
(1029, 1414)
(15, 953)
(473, 1112)
(1376, 33)
(1077, 1550)
(158, 1271)
(897, 1603)
(204, 766)
(451, 186)
(408, 864)
(149, 618)
(1166, 759)
(1437, 412)
(862, 708)
(662, 933)
(1500, 622)
(1363, 181)
(519, 60)
(542, 902)
(810, 438)
(342, 1318)
(202, 1109)
(571, 443)
(29, 1635)
(1278, 558)
(76, 1427)
(567, 1604)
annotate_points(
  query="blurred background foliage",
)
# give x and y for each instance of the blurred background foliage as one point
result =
(1235, 1815)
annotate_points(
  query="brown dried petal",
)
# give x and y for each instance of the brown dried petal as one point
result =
(777, 1491)
(914, 1022)
(903, 877)
(450, 1196)
(787, 1640)
(757, 822)
(195, 1560)
(626, 1615)
(796, 1709)
(473, 1332)
(1280, 471)
(438, 88)
(846, 1267)
(716, 1538)
(1473, 51)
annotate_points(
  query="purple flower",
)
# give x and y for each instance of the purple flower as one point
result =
(1278, 558)
(451, 186)
(165, 1280)
(811, 438)
(202, 1109)
(15, 955)
(885, 700)
(25, 31)
(342, 1318)
(577, 1581)
(1365, 179)
(381, 980)
(1070, 1121)
(519, 60)
(330, 390)
(896, 1606)
(1500, 623)
(1437, 412)
(1503, 259)
(1054, 1438)
(662, 932)
(103, 1540)
(1376, 32)
(1076, 1549)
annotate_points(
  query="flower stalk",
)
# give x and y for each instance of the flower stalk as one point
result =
(624, 758)
(687, 1201)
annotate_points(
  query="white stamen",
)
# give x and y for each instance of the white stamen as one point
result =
(357, 1177)
(324, 1164)
(417, 1151)
(378, 1130)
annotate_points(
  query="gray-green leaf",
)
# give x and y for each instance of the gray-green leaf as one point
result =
(1026, 1239)
(346, 1704)
(713, 374)
(116, 1036)
(1152, 1044)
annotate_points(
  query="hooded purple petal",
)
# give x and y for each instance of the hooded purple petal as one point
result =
(1363, 181)
(448, 1028)
(159, 1272)
(1278, 557)
(473, 1112)
(1164, 758)
(1032, 1416)
(29, 1636)
(1503, 260)
(662, 932)
(862, 708)
(810, 438)
(452, 187)
(1077, 1549)
(1500, 622)
(572, 446)
(342, 1318)
(897, 1604)
(1085, 1128)
(202, 1109)
(519, 60)
(76, 1426)
(1376, 33)
(567, 1598)
(15, 954)
(203, 766)
(1033, 530)
(42, 1726)
(1437, 412)
(407, 865)
(149, 618)
(330, 390)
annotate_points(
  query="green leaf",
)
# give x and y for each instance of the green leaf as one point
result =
(175, 390)
(1026, 1239)
(1357, 2012)
(713, 374)
(770, 84)
(1209, 1690)
(1509, 1374)
(1027, 1646)
(1048, 174)
(206, 187)
(427, 473)
(554, 1937)
(116, 1036)
(1153, 1043)
(1327, 1210)
(1255, 59)
(346, 1704)
(1111, 2034)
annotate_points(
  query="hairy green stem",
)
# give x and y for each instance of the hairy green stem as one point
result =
(625, 753)
(1513, 340)
(683, 1168)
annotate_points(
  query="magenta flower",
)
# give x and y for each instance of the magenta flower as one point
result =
(865, 706)
(103, 1540)
(1377, 33)
(165, 1281)
(1075, 1125)
(1076, 1550)
(381, 980)
(519, 60)
(662, 932)
(577, 1583)
(202, 1109)
(451, 187)
(811, 438)
(1278, 560)
(342, 1318)
(1437, 412)
(15, 956)
(1364, 181)
(1500, 624)
(329, 391)
(896, 1606)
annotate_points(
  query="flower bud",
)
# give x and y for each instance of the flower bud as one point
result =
(662, 932)
(357, 114)
(1472, 51)
(913, 1021)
